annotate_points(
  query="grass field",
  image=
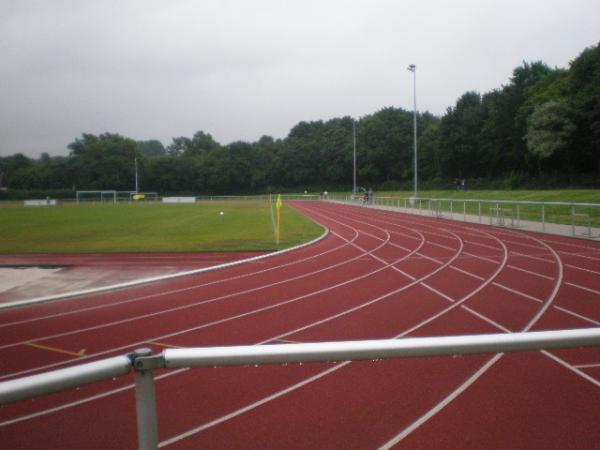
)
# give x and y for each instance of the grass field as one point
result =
(244, 226)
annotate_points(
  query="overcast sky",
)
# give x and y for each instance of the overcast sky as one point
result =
(153, 69)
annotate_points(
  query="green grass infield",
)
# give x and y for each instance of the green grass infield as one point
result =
(130, 227)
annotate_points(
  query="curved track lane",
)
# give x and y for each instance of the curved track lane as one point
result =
(379, 274)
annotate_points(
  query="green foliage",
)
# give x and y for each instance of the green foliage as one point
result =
(543, 126)
(549, 128)
(150, 148)
(103, 162)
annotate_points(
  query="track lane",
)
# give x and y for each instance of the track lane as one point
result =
(455, 324)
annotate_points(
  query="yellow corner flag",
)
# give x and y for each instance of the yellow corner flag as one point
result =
(278, 206)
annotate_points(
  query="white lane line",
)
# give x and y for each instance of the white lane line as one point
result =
(477, 277)
(441, 405)
(574, 314)
(436, 292)
(537, 274)
(206, 325)
(335, 368)
(250, 406)
(574, 243)
(176, 291)
(486, 319)
(181, 307)
(188, 330)
(574, 369)
(356, 308)
(571, 266)
(162, 337)
(587, 366)
(519, 293)
(433, 411)
(579, 255)
(82, 401)
(189, 433)
(583, 288)
(75, 294)
(279, 337)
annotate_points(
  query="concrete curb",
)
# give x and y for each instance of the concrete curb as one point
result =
(112, 287)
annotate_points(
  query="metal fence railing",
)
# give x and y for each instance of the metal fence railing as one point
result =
(576, 219)
(145, 363)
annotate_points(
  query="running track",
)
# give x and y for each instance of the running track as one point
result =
(378, 274)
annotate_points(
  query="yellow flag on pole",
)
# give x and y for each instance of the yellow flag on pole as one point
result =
(278, 206)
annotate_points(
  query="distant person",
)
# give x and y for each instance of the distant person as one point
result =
(462, 184)
(370, 196)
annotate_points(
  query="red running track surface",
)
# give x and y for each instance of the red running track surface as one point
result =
(378, 274)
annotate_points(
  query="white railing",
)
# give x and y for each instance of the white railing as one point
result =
(144, 362)
(576, 219)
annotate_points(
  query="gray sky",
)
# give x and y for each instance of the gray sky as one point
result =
(156, 69)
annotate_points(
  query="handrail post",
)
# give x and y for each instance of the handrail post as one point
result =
(145, 401)
(543, 217)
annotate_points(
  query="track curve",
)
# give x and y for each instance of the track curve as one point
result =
(379, 274)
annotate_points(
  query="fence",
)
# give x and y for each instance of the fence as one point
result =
(576, 219)
(144, 363)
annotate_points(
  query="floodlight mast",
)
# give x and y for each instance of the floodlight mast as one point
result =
(412, 68)
(136, 175)
(354, 154)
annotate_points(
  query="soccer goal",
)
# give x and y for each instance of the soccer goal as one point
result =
(96, 196)
(114, 196)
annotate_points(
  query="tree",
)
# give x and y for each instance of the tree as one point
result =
(150, 148)
(460, 129)
(103, 162)
(549, 128)
(584, 92)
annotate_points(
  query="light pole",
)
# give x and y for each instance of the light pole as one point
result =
(136, 174)
(354, 155)
(413, 69)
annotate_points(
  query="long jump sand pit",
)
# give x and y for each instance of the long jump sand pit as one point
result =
(24, 277)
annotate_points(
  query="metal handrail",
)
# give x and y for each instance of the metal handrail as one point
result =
(63, 379)
(378, 349)
(474, 200)
(144, 362)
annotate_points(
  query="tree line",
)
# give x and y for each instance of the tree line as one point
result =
(542, 129)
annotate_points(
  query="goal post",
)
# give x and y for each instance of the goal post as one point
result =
(114, 196)
(102, 196)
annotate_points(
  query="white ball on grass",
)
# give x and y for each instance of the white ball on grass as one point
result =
(221, 213)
